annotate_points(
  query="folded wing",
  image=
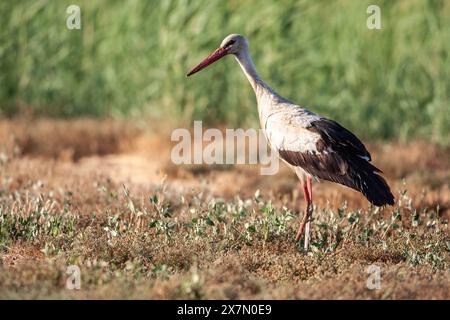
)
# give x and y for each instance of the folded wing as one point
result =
(338, 156)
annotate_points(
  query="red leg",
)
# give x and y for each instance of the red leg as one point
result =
(307, 211)
(309, 180)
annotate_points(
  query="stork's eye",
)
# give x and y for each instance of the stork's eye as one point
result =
(230, 43)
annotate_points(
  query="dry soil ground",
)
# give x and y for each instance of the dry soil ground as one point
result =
(103, 195)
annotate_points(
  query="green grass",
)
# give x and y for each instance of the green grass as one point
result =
(166, 247)
(192, 235)
(408, 234)
(130, 58)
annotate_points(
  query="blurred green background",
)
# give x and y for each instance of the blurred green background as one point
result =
(130, 59)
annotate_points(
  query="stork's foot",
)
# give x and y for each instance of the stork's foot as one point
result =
(300, 230)
(305, 226)
(307, 234)
(306, 222)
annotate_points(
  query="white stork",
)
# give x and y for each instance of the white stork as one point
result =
(312, 145)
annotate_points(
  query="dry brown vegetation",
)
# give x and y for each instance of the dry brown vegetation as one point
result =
(104, 195)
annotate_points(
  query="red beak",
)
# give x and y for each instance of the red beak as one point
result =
(213, 57)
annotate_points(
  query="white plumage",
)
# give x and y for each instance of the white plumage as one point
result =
(312, 145)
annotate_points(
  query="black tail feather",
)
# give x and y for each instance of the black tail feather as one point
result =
(365, 178)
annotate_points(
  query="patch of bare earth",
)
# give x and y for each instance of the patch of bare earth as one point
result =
(104, 195)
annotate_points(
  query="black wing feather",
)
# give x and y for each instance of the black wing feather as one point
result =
(340, 138)
(342, 158)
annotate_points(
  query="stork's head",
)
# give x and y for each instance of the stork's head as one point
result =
(232, 44)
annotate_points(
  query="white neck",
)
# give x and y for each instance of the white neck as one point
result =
(246, 63)
(260, 88)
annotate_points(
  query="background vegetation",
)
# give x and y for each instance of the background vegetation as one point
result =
(130, 58)
(77, 192)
